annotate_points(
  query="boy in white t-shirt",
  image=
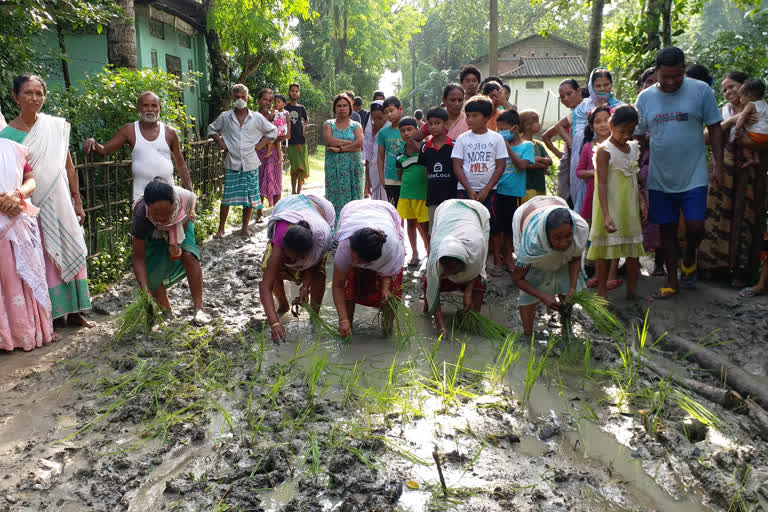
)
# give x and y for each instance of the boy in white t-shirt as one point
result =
(479, 157)
(752, 91)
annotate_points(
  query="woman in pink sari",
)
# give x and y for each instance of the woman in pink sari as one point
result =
(25, 307)
(271, 170)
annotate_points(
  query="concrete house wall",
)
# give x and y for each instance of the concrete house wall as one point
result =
(87, 54)
(534, 46)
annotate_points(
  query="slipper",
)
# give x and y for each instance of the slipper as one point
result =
(749, 292)
(664, 293)
(658, 272)
(415, 262)
(615, 283)
(687, 275)
(592, 282)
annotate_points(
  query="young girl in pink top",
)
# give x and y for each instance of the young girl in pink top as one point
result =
(597, 131)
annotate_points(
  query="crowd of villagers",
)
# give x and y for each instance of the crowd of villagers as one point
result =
(467, 180)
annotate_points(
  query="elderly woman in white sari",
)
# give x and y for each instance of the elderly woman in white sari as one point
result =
(550, 239)
(300, 233)
(458, 250)
(368, 264)
(25, 307)
(58, 197)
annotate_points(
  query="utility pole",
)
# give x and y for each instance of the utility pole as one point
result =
(493, 42)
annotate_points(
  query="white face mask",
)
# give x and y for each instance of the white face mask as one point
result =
(240, 103)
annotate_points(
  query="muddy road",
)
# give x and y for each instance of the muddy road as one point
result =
(220, 418)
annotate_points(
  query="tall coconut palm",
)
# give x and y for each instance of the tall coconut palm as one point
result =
(121, 37)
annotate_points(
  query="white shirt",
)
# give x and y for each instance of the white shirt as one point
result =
(479, 153)
(150, 158)
(761, 125)
(241, 140)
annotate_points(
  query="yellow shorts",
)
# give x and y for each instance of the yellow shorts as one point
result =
(531, 193)
(413, 209)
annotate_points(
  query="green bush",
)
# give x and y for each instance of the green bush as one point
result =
(102, 103)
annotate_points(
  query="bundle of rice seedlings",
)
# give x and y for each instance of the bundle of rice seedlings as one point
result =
(473, 322)
(397, 318)
(142, 313)
(322, 326)
(596, 309)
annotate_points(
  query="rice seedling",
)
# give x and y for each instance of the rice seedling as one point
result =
(314, 454)
(312, 378)
(321, 325)
(349, 380)
(695, 409)
(534, 368)
(471, 321)
(142, 313)
(398, 319)
(508, 354)
(596, 309)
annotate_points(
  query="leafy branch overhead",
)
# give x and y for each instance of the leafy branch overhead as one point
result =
(254, 31)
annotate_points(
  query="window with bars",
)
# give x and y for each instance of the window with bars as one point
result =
(157, 29)
(185, 40)
(154, 59)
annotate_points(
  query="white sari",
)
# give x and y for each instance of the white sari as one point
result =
(48, 143)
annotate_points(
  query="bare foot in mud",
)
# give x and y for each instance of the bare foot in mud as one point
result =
(219, 234)
(55, 337)
(77, 320)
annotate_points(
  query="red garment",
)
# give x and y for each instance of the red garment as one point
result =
(364, 287)
(585, 164)
(446, 285)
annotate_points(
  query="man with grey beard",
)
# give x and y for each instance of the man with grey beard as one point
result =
(154, 147)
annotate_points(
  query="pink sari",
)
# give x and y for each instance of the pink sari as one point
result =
(25, 307)
(270, 173)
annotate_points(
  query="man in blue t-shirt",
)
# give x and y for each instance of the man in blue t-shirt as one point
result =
(673, 114)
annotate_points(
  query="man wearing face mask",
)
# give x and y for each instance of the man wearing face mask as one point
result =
(241, 132)
(155, 147)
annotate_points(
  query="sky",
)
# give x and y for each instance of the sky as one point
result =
(389, 81)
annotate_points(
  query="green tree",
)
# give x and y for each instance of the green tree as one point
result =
(349, 43)
(253, 32)
(456, 33)
(22, 21)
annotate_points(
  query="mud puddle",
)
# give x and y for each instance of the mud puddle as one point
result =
(222, 419)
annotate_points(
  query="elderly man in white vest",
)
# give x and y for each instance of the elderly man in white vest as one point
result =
(155, 147)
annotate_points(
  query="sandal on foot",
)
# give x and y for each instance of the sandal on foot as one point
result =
(592, 282)
(658, 272)
(415, 262)
(664, 294)
(749, 292)
(614, 283)
(687, 275)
